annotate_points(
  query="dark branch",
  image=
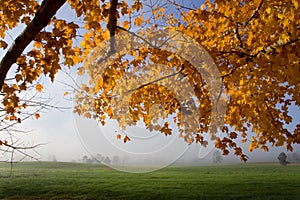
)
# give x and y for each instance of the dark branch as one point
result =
(272, 48)
(238, 36)
(134, 34)
(254, 13)
(267, 50)
(41, 19)
(112, 23)
(231, 71)
(181, 6)
(157, 80)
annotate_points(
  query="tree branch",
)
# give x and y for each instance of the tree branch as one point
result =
(41, 19)
(254, 13)
(112, 23)
(136, 35)
(157, 80)
(267, 50)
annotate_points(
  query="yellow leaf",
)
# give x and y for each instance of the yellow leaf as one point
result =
(38, 44)
(110, 111)
(66, 93)
(285, 38)
(106, 35)
(148, 21)
(296, 3)
(39, 87)
(250, 37)
(147, 119)
(80, 71)
(138, 21)
(87, 115)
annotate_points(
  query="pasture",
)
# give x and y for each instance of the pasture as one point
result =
(46, 180)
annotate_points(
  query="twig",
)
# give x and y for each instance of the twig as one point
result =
(254, 13)
(134, 34)
(157, 80)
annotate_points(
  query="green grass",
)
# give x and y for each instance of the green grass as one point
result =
(80, 181)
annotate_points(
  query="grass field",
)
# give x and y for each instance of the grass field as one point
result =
(81, 181)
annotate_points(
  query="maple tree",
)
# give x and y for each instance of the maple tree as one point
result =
(254, 44)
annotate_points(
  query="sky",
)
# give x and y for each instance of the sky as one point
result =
(69, 137)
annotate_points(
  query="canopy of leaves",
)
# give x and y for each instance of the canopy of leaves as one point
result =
(255, 45)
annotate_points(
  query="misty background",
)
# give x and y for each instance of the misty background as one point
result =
(63, 139)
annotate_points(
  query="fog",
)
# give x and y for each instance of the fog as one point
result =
(66, 137)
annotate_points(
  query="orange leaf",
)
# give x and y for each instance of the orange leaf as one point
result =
(15, 87)
(3, 44)
(12, 118)
(138, 21)
(199, 138)
(118, 136)
(39, 87)
(126, 24)
(225, 152)
(37, 115)
(233, 135)
(18, 77)
(126, 138)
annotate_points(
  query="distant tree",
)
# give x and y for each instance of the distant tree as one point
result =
(85, 159)
(90, 160)
(293, 157)
(107, 160)
(52, 158)
(116, 160)
(282, 158)
(99, 158)
(217, 157)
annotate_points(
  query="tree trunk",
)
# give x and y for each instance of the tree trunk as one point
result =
(41, 19)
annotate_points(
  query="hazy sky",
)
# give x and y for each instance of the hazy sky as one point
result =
(69, 138)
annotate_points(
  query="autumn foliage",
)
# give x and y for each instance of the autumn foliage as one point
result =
(254, 44)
